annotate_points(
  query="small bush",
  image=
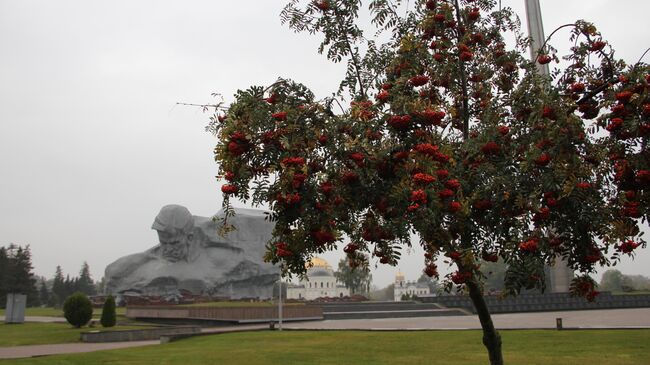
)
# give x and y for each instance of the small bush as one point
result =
(108, 312)
(77, 309)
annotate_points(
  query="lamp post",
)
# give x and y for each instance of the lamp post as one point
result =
(536, 33)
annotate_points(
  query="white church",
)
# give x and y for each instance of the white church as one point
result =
(408, 288)
(320, 283)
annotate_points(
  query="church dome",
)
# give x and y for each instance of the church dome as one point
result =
(399, 276)
(318, 262)
(314, 272)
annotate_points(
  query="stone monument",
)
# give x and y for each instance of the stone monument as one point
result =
(192, 255)
(15, 312)
(561, 276)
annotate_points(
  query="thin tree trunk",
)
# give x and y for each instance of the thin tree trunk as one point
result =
(491, 337)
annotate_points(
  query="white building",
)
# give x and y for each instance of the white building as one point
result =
(320, 283)
(410, 288)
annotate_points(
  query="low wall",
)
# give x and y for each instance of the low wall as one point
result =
(137, 335)
(370, 310)
(229, 314)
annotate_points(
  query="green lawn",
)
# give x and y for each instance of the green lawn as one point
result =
(591, 347)
(32, 333)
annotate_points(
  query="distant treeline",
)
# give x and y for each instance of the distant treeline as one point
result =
(17, 276)
(615, 281)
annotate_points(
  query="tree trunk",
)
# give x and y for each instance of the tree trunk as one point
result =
(491, 338)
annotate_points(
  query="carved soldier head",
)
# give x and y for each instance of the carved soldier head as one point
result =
(175, 227)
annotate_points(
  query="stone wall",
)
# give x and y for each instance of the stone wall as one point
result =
(230, 314)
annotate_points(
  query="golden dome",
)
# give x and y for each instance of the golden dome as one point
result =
(399, 276)
(317, 262)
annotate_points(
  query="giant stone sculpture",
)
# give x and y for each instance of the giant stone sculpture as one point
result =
(192, 255)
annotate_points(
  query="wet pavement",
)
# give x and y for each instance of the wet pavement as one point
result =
(608, 318)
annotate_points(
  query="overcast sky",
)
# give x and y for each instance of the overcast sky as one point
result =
(92, 144)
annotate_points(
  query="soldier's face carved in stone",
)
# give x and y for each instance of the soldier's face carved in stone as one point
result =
(175, 245)
(175, 226)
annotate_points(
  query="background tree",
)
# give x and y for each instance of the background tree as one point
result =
(356, 278)
(4, 276)
(58, 288)
(383, 294)
(612, 280)
(453, 135)
(636, 283)
(16, 275)
(615, 281)
(100, 286)
(283, 287)
(43, 292)
(64, 286)
(25, 280)
(69, 286)
(407, 297)
(495, 273)
(85, 283)
(432, 283)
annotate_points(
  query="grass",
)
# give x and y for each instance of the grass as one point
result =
(32, 333)
(593, 347)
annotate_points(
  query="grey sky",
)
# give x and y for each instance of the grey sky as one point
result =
(92, 144)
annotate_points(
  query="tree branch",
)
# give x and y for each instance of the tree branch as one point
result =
(204, 106)
(353, 55)
(641, 58)
(596, 91)
(551, 35)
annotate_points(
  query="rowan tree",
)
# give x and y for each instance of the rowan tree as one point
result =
(453, 135)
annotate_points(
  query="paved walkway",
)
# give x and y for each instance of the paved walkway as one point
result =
(40, 319)
(611, 318)
(66, 348)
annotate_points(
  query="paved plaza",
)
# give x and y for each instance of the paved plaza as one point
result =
(609, 318)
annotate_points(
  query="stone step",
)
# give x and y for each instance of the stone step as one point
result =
(393, 314)
(377, 307)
